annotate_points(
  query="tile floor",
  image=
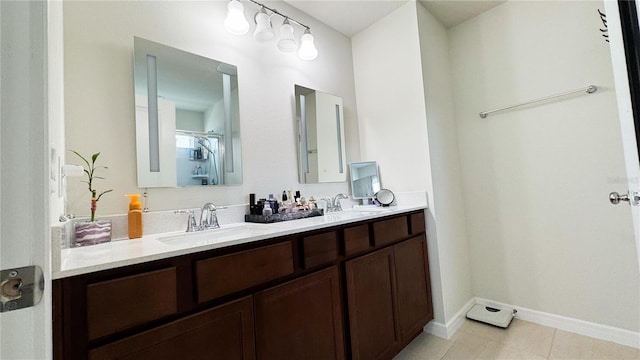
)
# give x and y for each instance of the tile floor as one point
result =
(521, 341)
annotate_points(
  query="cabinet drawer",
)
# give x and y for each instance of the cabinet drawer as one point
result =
(126, 302)
(356, 239)
(227, 274)
(319, 249)
(388, 231)
(417, 223)
(224, 332)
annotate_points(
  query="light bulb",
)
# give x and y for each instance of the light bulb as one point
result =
(235, 22)
(264, 31)
(287, 42)
(307, 49)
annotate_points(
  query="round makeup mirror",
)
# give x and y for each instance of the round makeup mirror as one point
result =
(385, 197)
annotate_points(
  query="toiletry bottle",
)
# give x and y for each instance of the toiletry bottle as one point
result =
(266, 210)
(312, 203)
(135, 216)
(252, 204)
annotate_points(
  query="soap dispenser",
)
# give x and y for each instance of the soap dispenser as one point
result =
(135, 216)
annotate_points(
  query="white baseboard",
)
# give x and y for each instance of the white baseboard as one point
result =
(436, 328)
(447, 330)
(598, 331)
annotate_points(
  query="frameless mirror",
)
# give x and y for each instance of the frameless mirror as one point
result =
(187, 118)
(320, 123)
(365, 181)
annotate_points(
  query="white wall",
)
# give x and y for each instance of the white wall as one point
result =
(100, 106)
(190, 120)
(536, 180)
(391, 109)
(406, 123)
(448, 201)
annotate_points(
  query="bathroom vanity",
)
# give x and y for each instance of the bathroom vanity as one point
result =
(348, 286)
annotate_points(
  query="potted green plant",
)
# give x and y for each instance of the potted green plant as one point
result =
(92, 231)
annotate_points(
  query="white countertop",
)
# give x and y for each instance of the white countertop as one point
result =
(82, 260)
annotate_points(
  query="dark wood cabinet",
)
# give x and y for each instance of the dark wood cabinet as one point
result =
(359, 290)
(389, 297)
(301, 319)
(356, 240)
(155, 297)
(391, 230)
(413, 286)
(372, 310)
(417, 223)
(224, 332)
(223, 275)
(319, 249)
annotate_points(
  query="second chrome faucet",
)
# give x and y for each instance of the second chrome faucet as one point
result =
(333, 204)
(208, 218)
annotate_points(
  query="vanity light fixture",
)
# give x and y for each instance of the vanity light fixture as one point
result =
(287, 42)
(236, 24)
(307, 49)
(264, 29)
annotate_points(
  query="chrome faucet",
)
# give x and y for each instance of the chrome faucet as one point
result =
(191, 221)
(208, 217)
(334, 204)
(336, 201)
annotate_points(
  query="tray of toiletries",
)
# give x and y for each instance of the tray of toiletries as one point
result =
(285, 216)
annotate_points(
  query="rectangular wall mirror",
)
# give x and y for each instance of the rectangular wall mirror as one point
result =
(187, 118)
(320, 124)
(365, 180)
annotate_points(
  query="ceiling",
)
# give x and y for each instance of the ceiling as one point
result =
(352, 16)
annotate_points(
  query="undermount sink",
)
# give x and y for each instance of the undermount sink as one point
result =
(222, 234)
(367, 210)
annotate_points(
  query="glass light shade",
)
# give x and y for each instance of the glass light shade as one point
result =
(264, 31)
(235, 22)
(287, 42)
(307, 49)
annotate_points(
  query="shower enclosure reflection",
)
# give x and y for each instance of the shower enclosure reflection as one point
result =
(199, 158)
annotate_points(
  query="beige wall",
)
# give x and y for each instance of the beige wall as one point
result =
(98, 44)
(536, 179)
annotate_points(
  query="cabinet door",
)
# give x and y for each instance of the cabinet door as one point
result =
(372, 311)
(414, 292)
(301, 319)
(224, 332)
